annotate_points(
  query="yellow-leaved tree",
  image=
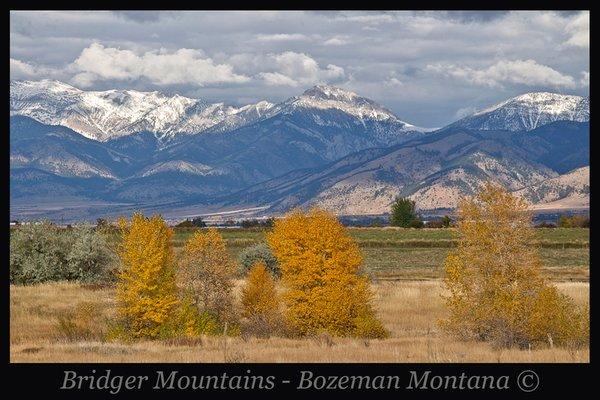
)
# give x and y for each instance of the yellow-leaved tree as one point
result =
(146, 290)
(206, 274)
(260, 304)
(496, 290)
(320, 271)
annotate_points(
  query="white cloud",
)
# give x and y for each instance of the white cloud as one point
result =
(294, 69)
(184, 66)
(24, 70)
(336, 41)
(579, 30)
(277, 79)
(520, 72)
(585, 78)
(21, 70)
(393, 81)
(463, 112)
(281, 37)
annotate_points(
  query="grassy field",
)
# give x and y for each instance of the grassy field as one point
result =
(405, 266)
(395, 253)
(408, 309)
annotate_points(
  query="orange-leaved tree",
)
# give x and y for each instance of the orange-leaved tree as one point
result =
(260, 302)
(207, 272)
(496, 291)
(146, 290)
(320, 266)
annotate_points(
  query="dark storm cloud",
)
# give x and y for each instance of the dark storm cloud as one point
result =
(428, 67)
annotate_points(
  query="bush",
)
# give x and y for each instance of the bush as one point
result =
(192, 223)
(260, 304)
(446, 221)
(320, 265)
(88, 257)
(496, 290)
(42, 252)
(256, 223)
(575, 221)
(369, 327)
(80, 324)
(416, 223)
(545, 224)
(437, 224)
(258, 253)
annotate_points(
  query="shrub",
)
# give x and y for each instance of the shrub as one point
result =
(545, 224)
(89, 256)
(41, 252)
(258, 253)
(80, 324)
(256, 223)
(496, 291)
(197, 222)
(206, 273)
(146, 290)
(260, 304)
(435, 224)
(320, 263)
(446, 221)
(575, 221)
(415, 223)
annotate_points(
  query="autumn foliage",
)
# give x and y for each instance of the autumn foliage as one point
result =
(496, 290)
(206, 274)
(260, 303)
(146, 290)
(324, 292)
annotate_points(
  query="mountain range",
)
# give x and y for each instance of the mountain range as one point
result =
(78, 154)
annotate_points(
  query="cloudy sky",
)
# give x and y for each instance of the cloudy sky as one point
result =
(430, 68)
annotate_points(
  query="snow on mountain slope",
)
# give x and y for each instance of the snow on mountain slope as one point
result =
(179, 166)
(115, 113)
(324, 97)
(529, 111)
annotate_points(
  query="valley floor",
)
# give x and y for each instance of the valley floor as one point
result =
(409, 309)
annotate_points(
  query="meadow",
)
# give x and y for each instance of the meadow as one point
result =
(409, 309)
(415, 254)
(405, 266)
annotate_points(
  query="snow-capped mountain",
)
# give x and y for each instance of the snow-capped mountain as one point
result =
(324, 97)
(529, 111)
(105, 115)
(327, 146)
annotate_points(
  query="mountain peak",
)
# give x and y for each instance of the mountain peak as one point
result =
(529, 111)
(328, 92)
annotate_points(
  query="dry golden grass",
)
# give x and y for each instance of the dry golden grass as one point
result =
(409, 309)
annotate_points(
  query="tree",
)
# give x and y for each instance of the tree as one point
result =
(146, 290)
(320, 266)
(446, 221)
(207, 272)
(496, 291)
(258, 253)
(260, 303)
(198, 222)
(403, 212)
